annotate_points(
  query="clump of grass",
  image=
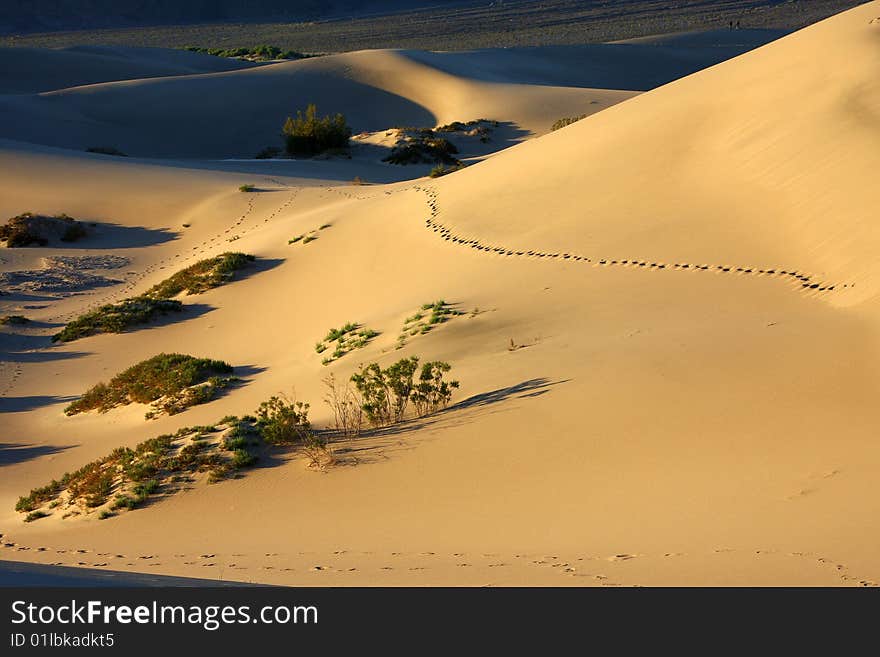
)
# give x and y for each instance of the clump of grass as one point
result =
(429, 316)
(568, 120)
(117, 317)
(201, 276)
(29, 228)
(35, 515)
(247, 188)
(171, 382)
(349, 337)
(14, 320)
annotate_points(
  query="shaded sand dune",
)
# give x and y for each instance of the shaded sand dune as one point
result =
(236, 113)
(33, 70)
(617, 423)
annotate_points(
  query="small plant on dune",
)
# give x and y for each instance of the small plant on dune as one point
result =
(166, 380)
(349, 337)
(348, 414)
(432, 393)
(426, 319)
(117, 317)
(442, 169)
(357, 181)
(318, 452)
(201, 276)
(35, 515)
(425, 148)
(387, 393)
(247, 188)
(14, 320)
(282, 421)
(308, 134)
(568, 120)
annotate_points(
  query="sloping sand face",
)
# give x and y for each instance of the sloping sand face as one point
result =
(653, 392)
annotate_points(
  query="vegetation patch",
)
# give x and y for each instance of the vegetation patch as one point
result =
(347, 338)
(247, 188)
(442, 169)
(428, 317)
(117, 317)
(568, 120)
(171, 383)
(28, 228)
(387, 394)
(255, 54)
(306, 238)
(127, 478)
(423, 147)
(202, 276)
(308, 134)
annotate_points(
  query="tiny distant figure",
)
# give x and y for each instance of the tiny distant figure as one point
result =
(730, 25)
(737, 25)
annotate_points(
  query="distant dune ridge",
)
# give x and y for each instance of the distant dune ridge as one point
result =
(652, 390)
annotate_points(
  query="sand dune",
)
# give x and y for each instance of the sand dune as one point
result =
(168, 117)
(34, 70)
(623, 419)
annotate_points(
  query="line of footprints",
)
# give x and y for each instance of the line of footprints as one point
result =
(582, 565)
(446, 233)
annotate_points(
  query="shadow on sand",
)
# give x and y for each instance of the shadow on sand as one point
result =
(11, 453)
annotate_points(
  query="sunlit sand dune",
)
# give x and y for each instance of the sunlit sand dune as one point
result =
(667, 352)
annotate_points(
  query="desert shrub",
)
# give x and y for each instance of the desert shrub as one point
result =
(283, 421)
(14, 320)
(247, 188)
(29, 228)
(241, 458)
(348, 415)
(308, 134)
(424, 149)
(432, 393)
(441, 170)
(39, 496)
(386, 393)
(117, 317)
(106, 150)
(318, 452)
(259, 53)
(568, 120)
(35, 515)
(161, 378)
(201, 276)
